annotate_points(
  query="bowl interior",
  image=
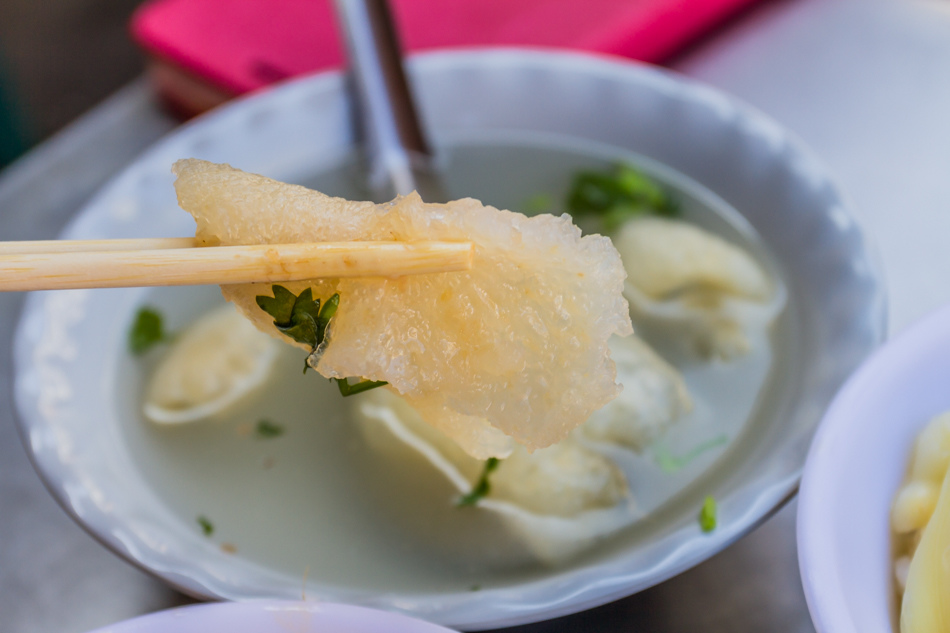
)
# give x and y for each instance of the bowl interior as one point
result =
(69, 344)
(854, 469)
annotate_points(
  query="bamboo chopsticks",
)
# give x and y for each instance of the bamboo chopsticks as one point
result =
(61, 264)
(82, 246)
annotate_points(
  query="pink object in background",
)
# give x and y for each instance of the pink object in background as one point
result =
(209, 50)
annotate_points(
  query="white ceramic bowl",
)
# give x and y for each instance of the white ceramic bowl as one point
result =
(70, 345)
(854, 469)
(273, 616)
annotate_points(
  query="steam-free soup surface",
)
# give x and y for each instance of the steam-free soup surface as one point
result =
(315, 500)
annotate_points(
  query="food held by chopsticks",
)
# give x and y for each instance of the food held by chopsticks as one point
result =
(513, 350)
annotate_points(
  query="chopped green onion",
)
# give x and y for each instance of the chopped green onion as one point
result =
(707, 516)
(206, 526)
(481, 488)
(266, 429)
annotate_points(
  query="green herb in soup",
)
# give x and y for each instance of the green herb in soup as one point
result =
(707, 516)
(207, 527)
(618, 195)
(482, 487)
(266, 429)
(301, 318)
(147, 331)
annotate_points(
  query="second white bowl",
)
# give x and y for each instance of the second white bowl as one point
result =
(855, 466)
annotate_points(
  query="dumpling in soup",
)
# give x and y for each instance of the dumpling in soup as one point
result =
(654, 395)
(710, 290)
(558, 500)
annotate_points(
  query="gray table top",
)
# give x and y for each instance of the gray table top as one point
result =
(863, 82)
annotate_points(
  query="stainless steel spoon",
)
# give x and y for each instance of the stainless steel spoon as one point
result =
(399, 156)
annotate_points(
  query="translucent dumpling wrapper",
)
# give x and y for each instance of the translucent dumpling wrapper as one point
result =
(654, 395)
(558, 500)
(711, 290)
(213, 365)
(514, 350)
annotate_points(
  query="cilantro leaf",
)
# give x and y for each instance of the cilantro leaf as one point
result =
(707, 516)
(326, 313)
(147, 330)
(207, 528)
(303, 319)
(296, 316)
(482, 487)
(266, 429)
(280, 306)
(617, 196)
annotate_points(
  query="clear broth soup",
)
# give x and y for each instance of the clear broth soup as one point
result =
(318, 502)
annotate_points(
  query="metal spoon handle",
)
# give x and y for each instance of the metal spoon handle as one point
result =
(395, 138)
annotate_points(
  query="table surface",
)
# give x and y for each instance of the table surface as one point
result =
(865, 83)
